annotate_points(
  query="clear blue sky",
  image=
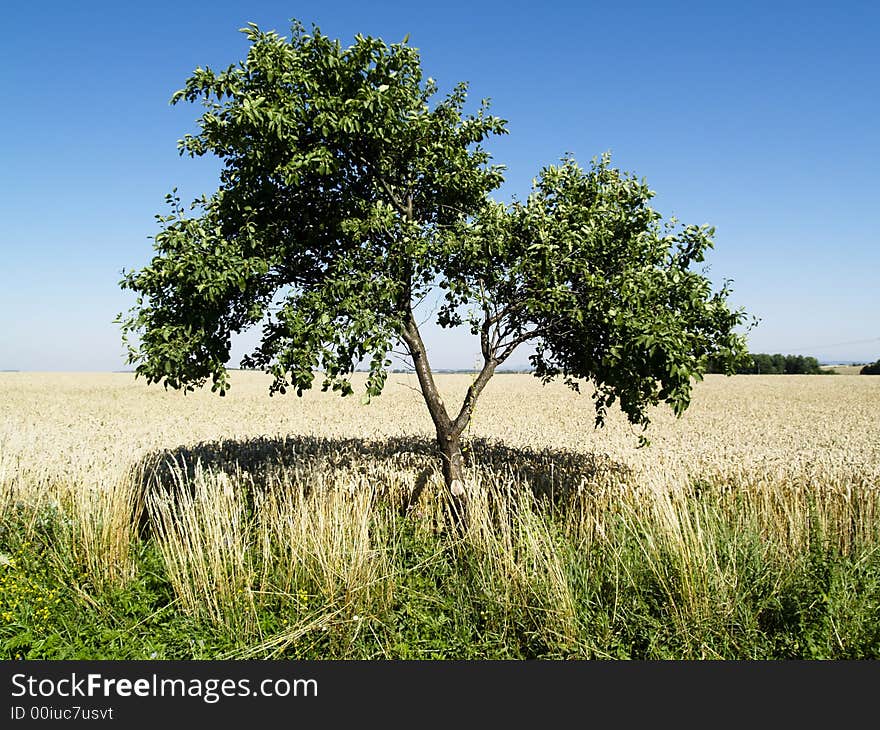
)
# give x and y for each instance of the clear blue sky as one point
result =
(759, 118)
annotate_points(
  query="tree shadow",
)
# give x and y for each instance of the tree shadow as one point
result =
(399, 468)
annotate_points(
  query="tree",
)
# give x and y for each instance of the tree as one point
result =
(348, 194)
(871, 369)
(763, 364)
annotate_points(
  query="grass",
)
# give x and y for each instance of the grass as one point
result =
(137, 542)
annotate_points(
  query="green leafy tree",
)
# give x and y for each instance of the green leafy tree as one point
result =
(348, 193)
(763, 364)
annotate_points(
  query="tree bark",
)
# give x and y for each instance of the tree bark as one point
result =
(453, 475)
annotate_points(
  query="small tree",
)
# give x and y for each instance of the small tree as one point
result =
(347, 195)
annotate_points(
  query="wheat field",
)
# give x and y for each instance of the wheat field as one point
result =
(295, 507)
(91, 428)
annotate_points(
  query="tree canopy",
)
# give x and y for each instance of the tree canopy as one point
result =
(339, 182)
(350, 191)
(587, 270)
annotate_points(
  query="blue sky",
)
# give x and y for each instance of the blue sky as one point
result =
(758, 118)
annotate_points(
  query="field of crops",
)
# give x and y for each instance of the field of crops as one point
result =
(138, 522)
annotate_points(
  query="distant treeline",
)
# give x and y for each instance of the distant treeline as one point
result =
(763, 364)
(871, 369)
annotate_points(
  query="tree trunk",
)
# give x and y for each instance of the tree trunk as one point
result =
(448, 430)
(453, 475)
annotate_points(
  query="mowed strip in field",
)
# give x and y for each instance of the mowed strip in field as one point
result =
(91, 427)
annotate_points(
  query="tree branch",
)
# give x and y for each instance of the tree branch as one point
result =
(521, 339)
(398, 203)
(473, 392)
(436, 407)
(485, 346)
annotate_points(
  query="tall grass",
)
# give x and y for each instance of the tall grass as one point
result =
(92, 523)
(204, 536)
(698, 572)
